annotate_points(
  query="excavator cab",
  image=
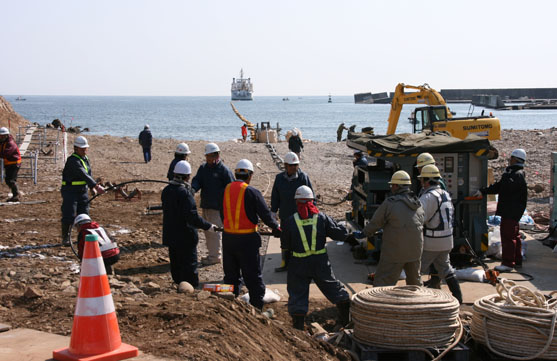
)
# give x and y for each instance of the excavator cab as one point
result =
(424, 117)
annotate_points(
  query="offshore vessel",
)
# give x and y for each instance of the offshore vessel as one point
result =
(241, 88)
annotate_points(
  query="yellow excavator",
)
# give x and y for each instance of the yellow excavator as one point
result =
(436, 116)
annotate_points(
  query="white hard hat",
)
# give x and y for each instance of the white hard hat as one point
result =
(82, 218)
(424, 159)
(291, 158)
(81, 142)
(303, 192)
(211, 148)
(4, 131)
(182, 148)
(244, 165)
(430, 171)
(146, 126)
(182, 167)
(294, 132)
(400, 177)
(519, 153)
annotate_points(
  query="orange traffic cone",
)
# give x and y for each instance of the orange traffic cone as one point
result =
(95, 332)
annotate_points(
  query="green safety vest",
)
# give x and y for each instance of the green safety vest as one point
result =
(306, 222)
(78, 183)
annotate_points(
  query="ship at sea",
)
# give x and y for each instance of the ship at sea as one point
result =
(241, 88)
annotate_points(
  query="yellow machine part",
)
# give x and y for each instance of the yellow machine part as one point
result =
(483, 127)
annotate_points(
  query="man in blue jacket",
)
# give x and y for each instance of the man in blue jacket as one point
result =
(180, 222)
(146, 140)
(212, 177)
(282, 195)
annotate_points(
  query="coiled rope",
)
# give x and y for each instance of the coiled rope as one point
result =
(516, 323)
(407, 318)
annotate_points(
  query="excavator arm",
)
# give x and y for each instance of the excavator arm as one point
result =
(423, 95)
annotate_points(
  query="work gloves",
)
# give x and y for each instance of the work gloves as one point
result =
(98, 189)
(478, 194)
(215, 228)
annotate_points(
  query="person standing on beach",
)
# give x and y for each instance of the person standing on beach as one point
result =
(295, 143)
(9, 151)
(212, 177)
(146, 140)
(244, 132)
(282, 196)
(181, 153)
(76, 177)
(340, 129)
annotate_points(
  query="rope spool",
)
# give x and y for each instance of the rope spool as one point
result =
(516, 323)
(406, 318)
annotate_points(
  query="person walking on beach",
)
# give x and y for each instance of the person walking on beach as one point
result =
(513, 196)
(9, 152)
(340, 129)
(146, 140)
(76, 177)
(180, 222)
(295, 143)
(242, 208)
(282, 196)
(212, 177)
(305, 233)
(181, 153)
(244, 132)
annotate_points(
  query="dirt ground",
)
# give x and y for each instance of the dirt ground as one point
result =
(38, 283)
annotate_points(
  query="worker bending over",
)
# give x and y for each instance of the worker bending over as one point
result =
(109, 250)
(305, 234)
(181, 153)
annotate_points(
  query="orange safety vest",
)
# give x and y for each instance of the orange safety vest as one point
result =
(235, 219)
(10, 162)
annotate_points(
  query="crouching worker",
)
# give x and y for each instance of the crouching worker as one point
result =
(109, 250)
(305, 233)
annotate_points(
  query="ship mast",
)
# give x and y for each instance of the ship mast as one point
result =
(241, 73)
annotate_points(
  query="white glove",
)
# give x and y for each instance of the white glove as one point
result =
(478, 194)
(98, 189)
(214, 228)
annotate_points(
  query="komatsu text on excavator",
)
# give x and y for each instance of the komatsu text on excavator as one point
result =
(436, 116)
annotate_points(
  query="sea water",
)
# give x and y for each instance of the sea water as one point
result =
(212, 118)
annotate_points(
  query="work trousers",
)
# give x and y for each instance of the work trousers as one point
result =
(388, 273)
(11, 177)
(510, 242)
(183, 262)
(74, 203)
(213, 239)
(440, 260)
(303, 270)
(241, 260)
(147, 154)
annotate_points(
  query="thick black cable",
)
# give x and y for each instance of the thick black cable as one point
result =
(128, 182)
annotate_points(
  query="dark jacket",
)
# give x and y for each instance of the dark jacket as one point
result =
(295, 144)
(9, 151)
(145, 138)
(361, 162)
(513, 193)
(180, 219)
(282, 195)
(74, 171)
(326, 227)
(170, 173)
(212, 181)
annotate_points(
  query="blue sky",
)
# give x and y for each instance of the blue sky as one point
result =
(172, 47)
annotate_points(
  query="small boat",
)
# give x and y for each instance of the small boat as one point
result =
(285, 99)
(330, 100)
(20, 98)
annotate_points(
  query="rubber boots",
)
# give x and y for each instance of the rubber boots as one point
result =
(454, 287)
(298, 321)
(344, 312)
(65, 233)
(285, 255)
(433, 282)
(15, 193)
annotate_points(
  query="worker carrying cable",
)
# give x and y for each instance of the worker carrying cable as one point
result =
(181, 153)
(9, 151)
(76, 178)
(109, 250)
(401, 217)
(305, 234)
(438, 229)
(242, 207)
(282, 196)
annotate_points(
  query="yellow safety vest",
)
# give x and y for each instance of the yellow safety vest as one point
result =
(306, 222)
(78, 183)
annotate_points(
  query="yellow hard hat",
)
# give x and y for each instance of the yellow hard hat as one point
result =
(400, 177)
(424, 159)
(430, 171)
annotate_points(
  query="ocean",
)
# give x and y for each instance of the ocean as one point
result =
(212, 118)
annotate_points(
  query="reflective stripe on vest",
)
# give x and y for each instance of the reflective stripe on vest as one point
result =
(446, 212)
(306, 222)
(235, 218)
(78, 183)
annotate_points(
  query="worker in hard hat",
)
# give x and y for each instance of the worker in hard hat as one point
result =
(180, 222)
(305, 233)
(109, 250)
(360, 159)
(438, 228)
(295, 143)
(211, 178)
(76, 178)
(181, 153)
(9, 152)
(282, 195)
(146, 140)
(511, 203)
(401, 217)
(242, 207)
(244, 132)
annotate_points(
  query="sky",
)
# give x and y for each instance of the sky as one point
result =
(287, 48)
